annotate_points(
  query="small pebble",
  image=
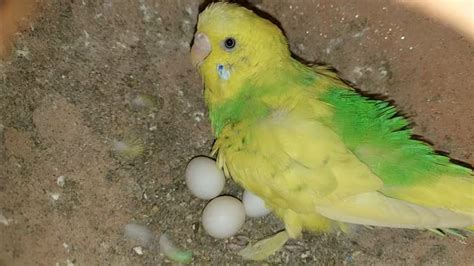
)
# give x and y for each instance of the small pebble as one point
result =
(237, 243)
(3, 219)
(55, 196)
(138, 250)
(61, 181)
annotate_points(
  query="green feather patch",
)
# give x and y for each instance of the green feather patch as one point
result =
(380, 138)
(245, 105)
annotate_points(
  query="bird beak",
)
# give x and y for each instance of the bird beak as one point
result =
(200, 49)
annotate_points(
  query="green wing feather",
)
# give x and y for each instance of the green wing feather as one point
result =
(380, 138)
(410, 169)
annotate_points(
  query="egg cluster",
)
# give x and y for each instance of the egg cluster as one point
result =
(224, 215)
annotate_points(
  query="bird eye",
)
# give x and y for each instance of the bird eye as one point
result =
(229, 43)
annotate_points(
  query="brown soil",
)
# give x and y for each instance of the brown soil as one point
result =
(66, 93)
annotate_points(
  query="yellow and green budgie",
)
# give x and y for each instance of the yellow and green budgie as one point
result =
(320, 155)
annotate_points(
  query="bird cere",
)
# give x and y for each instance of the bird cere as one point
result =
(317, 153)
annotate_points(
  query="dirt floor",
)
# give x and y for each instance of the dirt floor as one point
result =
(67, 95)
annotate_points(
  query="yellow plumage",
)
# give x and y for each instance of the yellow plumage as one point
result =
(274, 138)
(273, 167)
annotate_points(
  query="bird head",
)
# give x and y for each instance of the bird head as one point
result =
(231, 46)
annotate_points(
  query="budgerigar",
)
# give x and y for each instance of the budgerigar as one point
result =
(320, 155)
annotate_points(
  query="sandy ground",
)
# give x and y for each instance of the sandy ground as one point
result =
(65, 97)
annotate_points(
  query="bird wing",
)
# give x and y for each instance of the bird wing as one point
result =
(301, 164)
(410, 170)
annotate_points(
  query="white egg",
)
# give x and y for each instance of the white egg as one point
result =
(254, 206)
(223, 217)
(204, 178)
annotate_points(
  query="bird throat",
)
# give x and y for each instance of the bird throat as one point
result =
(247, 105)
